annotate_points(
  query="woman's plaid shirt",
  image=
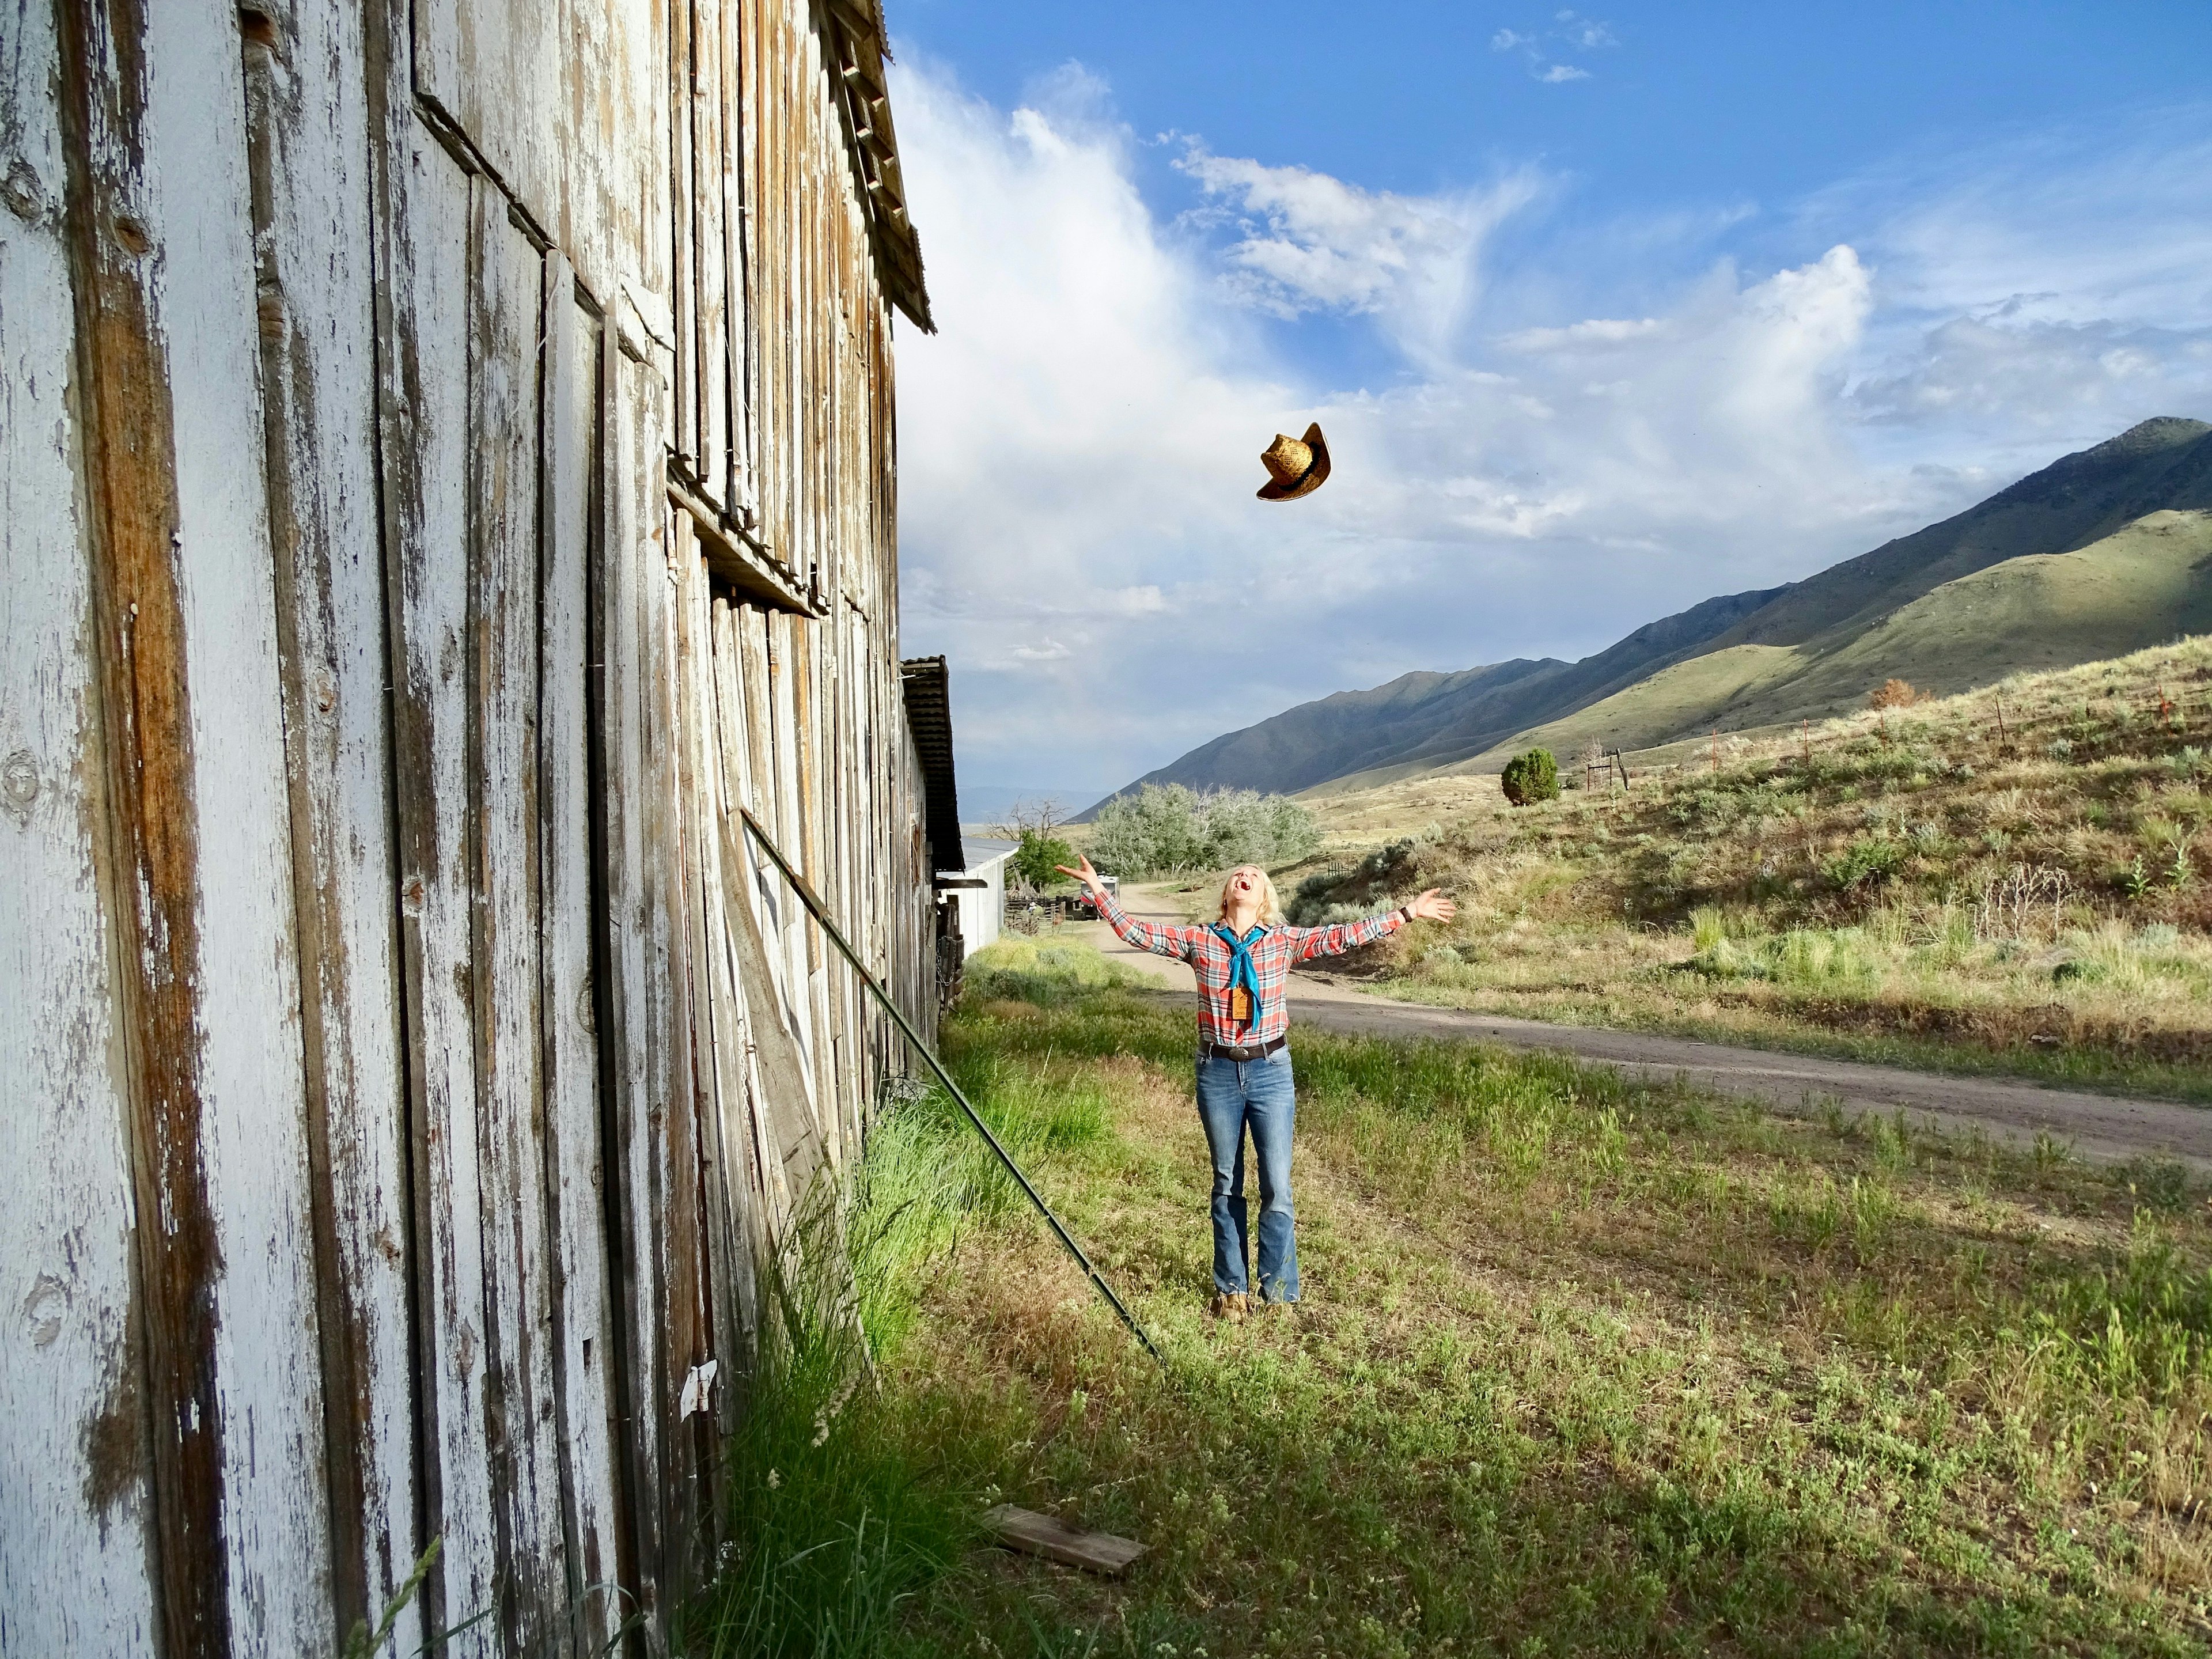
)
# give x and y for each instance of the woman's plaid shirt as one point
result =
(1273, 954)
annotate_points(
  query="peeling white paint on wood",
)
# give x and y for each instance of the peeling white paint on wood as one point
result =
(308, 116)
(517, 1397)
(268, 1365)
(584, 1332)
(73, 1460)
(502, 1060)
(426, 412)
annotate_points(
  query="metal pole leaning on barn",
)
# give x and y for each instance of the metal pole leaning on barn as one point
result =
(821, 914)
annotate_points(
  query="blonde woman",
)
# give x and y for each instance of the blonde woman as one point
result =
(1244, 964)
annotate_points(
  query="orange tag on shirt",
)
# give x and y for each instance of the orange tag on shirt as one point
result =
(1240, 1005)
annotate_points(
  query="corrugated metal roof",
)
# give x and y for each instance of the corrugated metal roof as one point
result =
(929, 713)
(982, 854)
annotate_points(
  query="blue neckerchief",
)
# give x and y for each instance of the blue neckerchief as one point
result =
(1240, 964)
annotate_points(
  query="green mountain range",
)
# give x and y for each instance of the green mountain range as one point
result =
(2100, 553)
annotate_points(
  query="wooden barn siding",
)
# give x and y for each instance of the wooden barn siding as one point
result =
(415, 1059)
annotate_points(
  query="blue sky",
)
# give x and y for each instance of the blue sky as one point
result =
(1604, 310)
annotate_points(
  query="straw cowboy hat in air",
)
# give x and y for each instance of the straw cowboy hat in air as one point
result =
(1297, 465)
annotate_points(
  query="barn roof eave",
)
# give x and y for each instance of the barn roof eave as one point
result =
(929, 691)
(853, 31)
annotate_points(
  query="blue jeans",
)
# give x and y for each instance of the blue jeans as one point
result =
(1232, 1094)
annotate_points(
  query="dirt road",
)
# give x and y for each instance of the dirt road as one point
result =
(2105, 1129)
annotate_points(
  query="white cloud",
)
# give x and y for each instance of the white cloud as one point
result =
(1586, 32)
(1539, 48)
(1078, 447)
(1308, 241)
(1594, 332)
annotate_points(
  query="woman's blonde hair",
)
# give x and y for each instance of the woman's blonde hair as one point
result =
(1271, 907)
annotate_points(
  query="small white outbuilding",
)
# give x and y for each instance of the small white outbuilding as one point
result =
(983, 905)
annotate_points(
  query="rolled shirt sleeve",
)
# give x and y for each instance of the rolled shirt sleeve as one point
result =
(1152, 936)
(1307, 943)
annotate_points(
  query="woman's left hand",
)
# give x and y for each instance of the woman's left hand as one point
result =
(1433, 906)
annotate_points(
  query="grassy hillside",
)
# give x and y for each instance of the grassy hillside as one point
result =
(2018, 878)
(2156, 466)
(2150, 581)
(1656, 684)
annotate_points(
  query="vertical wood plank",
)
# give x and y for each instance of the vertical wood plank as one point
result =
(710, 102)
(753, 992)
(507, 307)
(719, 1080)
(582, 1331)
(75, 1461)
(738, 367)
(185, 610)
(683, 1336)
(683, 436)
(632, 397)
(807, 730)
(307, 137)
(423, 245)
(790, 939)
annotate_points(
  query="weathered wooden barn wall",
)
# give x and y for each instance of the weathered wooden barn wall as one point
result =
(447, 467)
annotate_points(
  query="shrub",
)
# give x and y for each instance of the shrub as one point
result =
(1531, 777)
(1868, 860)
(1892, 694)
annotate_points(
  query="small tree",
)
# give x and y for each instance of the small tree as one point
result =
(1892, 694)
(1171, 827)
(1035, 826)
(1038, 858)
(1531, 778)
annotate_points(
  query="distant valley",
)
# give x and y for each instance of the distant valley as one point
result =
(2102, 552)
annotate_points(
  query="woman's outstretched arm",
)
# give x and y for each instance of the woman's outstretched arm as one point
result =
(1307, 943)
(1161, 941)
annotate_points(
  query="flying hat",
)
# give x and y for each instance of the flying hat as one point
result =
(1296, 466)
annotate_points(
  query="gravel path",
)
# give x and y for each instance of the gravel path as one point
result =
(2105, 1129)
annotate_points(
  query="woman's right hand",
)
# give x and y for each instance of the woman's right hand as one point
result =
(1086, 875)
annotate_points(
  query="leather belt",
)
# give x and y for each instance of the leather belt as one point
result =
(1230, 1051)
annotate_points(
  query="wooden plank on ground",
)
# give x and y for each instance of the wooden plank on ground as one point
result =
(1055, 1539)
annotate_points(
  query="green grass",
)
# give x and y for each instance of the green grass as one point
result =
(1583, 1366)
